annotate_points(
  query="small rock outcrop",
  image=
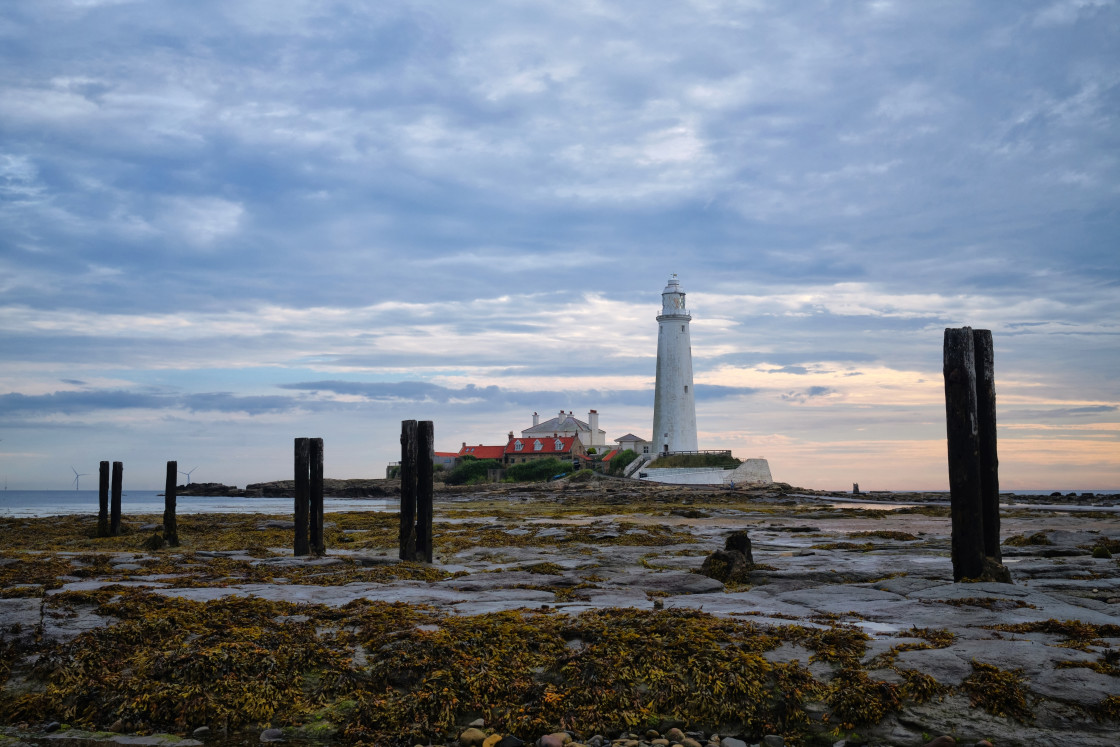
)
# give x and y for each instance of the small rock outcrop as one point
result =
(995, 571)
(155, 542)
(733, 563)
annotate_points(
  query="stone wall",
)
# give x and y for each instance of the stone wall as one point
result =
(751, 471)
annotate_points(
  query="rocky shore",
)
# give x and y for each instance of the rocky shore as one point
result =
(569, 613)
(356, 488)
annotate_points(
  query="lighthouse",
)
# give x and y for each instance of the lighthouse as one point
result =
(674, 401)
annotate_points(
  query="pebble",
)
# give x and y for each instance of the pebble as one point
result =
(202, 732)
(52, 726)
(558, 739)
(472, 737)
(943, 741)
(673, 737)
(272, 735)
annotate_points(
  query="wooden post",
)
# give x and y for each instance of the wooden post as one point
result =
(103, 500)
(425, 459)
(170, 525)
(302, 476)
(407, 535)
(986, 426)
(115, 499)
(964, 454)
(318, 545)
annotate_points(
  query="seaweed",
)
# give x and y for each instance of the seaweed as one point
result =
(1076, 634)
(856, 699)
(1000, 692)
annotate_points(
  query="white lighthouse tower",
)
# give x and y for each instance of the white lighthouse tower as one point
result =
(674, 401)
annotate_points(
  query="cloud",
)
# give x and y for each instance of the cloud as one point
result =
(1069, 11)
(470, 213)
(84, 402)
(805, 395)
(201, 221)
(1064, 412)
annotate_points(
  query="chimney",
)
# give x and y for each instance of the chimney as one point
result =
(511, 435)
(536, 419)
(593, 421)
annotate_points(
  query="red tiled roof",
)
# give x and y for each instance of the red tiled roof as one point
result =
(610, 455)
(447, 453)
(483, 452)
(548, 445)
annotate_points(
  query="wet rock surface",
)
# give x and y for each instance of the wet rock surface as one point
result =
(808, 562)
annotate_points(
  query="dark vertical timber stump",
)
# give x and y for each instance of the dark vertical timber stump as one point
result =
(302, 475)
(986, 427)
(115, 499)
(103, 500)
(318, 545)
(425, 458)
(408, 491)
(964, 454)
(170, 525)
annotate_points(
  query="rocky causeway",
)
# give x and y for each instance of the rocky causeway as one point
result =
(846, 628)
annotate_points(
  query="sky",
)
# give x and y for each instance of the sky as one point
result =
(225, 224)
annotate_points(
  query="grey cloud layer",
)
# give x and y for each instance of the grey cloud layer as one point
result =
(205, 204)
(336, 150)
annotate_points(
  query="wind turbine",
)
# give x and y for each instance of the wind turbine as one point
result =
(188, 474)
(77, 476)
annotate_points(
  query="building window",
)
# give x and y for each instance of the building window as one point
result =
(645, 449)
(686, 388)
(537, 445)
(559, 445)
(518, 446)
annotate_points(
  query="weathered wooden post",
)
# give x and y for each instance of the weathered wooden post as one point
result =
(103, 500)
(170, 525)
(407, 537)
(986, 427)
(425, 478)
(302, 489)
(115, 499)
(959, 368)
(318, 545)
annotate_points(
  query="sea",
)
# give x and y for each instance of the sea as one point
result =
(38, 503)
(32, 503)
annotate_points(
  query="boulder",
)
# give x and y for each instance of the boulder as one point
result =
(741, 543)
(995, 571)
(472, 737)
(726, 566)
